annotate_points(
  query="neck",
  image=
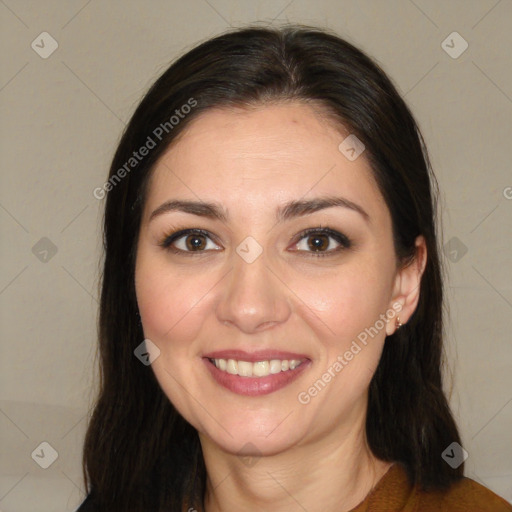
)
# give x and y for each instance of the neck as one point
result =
(334, 473)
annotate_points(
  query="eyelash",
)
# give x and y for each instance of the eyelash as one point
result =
(340, 238)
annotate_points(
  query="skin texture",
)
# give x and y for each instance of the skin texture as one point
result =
(251, 162)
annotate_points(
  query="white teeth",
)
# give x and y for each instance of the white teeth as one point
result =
(232, 367)
(244, 369)
(261, 368)
(275, 366)
(257, 369)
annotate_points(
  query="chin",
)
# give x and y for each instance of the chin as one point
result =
(251, 443)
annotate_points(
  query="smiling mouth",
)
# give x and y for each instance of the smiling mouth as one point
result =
(257, 377)
(262, 368)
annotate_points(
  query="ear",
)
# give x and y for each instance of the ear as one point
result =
(406, 292)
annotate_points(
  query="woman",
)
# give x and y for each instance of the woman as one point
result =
(271, 310)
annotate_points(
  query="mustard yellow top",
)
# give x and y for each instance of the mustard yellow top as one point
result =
(394, 493)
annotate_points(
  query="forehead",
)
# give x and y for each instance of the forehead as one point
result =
(259, 157)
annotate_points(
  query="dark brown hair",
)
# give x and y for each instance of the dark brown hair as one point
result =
(139, 453)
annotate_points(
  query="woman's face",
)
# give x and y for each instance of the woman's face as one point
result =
(289, 259)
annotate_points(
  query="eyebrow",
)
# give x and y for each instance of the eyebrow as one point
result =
(286, 212)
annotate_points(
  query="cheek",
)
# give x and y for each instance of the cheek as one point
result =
(171, 303)
(346, 301)
(348, 306)
(172, 307)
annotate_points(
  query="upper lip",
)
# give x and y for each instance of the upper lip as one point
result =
(252, 357)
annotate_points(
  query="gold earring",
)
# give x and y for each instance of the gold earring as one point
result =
(398, 324)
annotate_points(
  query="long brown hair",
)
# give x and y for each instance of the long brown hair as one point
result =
(139, 453)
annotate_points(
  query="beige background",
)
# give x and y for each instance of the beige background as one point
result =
(61, 119)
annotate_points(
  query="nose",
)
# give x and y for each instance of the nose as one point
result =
(253, 298)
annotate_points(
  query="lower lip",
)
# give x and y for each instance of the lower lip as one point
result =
(255, 386)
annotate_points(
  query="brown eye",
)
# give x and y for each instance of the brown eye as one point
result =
(318, 242)
(195, 242)
(321, 242)
(189, 241)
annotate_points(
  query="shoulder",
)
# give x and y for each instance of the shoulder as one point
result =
(396, 492)
(464, 495)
